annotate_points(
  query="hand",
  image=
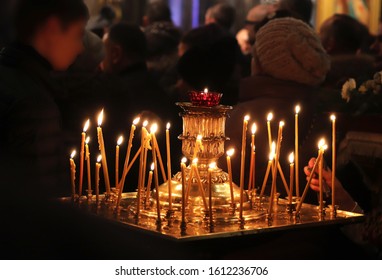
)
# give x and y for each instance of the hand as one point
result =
(326, 176)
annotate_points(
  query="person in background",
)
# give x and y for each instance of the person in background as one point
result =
(342, 37)
(289, 65)
(100, 24)
(157, 11)
(301, 9)
(208, 58)
(221, 14)
(162, 44)
(33, 166)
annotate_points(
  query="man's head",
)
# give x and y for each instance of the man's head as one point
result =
(125, 45)
(341, 34)
(157, 11)
(221, 14)
(54, 28)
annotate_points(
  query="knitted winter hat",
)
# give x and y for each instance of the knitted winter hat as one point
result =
(289, 49)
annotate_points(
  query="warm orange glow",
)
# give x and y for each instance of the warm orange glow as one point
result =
(87, 140)
(99, 158)
(153, 128)
(136, 120)
(270, 117)
(184, 160)
(145, 123)
(152, 166)
(282, 123)
(246, 118)
(291, 157)
(254, 128)
(168, 125)
(73, 154)
(86, 126)
(206, 90)
(230, 152)
(100, 118)
(333, 117)
(212, 165)
(120, 140)
(297, 109)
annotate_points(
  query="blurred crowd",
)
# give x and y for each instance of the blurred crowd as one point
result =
(61, 68)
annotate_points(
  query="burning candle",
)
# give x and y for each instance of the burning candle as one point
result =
(149, 183)
(242, 165)
(159, 156)
(276, 162)
(297, 111)
(119, 142)
(73, 173)
(87, 158)
(211, 168)
(183, 168)
(251, 181)
(128, 152)
(97, 168)
(169, 183)
(321, 146)
(230, 153)
(269, 119)
(144, 138)
(270, 163)
(198, 145)
(103, 153)
(83, 136)
(333, 119)
(153, 130)
(291, 174)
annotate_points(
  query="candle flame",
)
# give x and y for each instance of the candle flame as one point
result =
(152, 166)
(206, 90)
(86, 126)
(333, 117)
(282, 123)
(145, 123)
(230, 152)
(321, 143)
(87, 140)
(254, 128)
(136, 120)
(73, 154)
(195, 161)
(291, 157)
(271, 156)
(212, 165)
(168, 125)
(297, 109)
(273, 148)
(153, 128)
(246, 118)
(270, 117)
(100, 118)
(199, 137)
(184, 160)
(120, 140)
(99, 158)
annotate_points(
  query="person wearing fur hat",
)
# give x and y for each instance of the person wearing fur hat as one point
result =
(288, 67)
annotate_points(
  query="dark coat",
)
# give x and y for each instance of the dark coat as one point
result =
(260, 95)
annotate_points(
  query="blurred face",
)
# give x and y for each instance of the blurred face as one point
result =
(61, 44)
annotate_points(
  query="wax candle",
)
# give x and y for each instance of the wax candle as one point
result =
(322, 146)
(230, 153)
(269, 166)
(276, 162)
(291, 174)
(169, 182)
(149, 183)
(73, 173)
(128, 151)
(103, 153)
(153, 130)
(242, 164)
(195, 170)
(297, 111)
(97, 168)
(119, 142)
(269, 119)
(251, 181)
(333, 119)
(211, 168)
(87, 158)
(159, 156)
(83, 136)
(183, 168)
(144, 139)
